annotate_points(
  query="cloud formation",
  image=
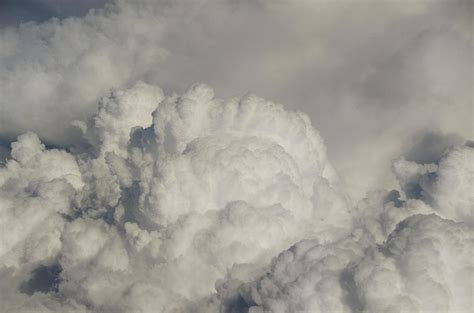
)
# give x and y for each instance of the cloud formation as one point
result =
(407, 64)
(187, 212)
(120, 196)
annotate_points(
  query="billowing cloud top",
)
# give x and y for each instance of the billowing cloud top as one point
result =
(118, 196)
(343, 62)
(189, 203)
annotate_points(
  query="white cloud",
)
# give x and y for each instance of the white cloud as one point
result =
(407, 63)
(425, 265)
(192, 203)
(208, 185)
(189, 211)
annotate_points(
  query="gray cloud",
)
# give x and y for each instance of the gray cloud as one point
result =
(430, 147)
(180, 203)
(121, 196)
(15, 12)
(367, 73)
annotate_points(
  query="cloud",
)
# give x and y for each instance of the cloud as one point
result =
(408, 64)
(446, 185)
(35, 194)
(121, 196)
(4, 152)
(109, 129)
(180, 203)
(193, 184)
(14, 12)
(424, 265)
(429, 147)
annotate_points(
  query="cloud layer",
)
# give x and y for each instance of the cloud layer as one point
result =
(119, 196)
(408, 64)
(188, 211)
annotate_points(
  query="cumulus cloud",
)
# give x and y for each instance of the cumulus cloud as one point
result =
(406, 63)
(446, 184)
(35, 196)
(120, 196)
(424, 265)
(209, 186)
(180, 204)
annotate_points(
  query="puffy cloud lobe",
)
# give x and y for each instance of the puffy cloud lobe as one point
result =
(450, 192)
(212, 184)
(400, 257)
(379, 213)
(107, 133)
(94, 260)
(37, 190)
(305, 278)
(109, 129)
(34, 192)
(197, 114)
(424, 266)
(446, 186)
(243, 149)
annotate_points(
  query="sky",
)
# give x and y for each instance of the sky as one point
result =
(295, 152)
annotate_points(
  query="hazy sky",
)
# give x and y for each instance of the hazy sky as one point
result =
(14, 12)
